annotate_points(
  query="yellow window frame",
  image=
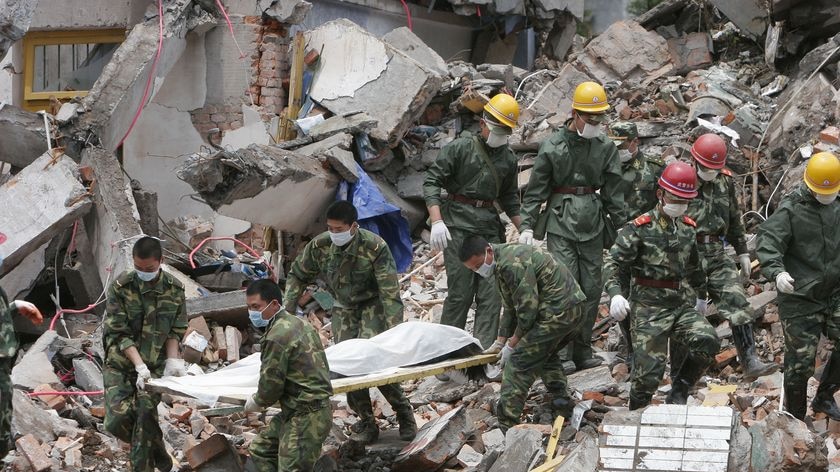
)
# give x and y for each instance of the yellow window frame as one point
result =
(34, 101)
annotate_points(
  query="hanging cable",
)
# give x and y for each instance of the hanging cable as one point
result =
(230, 27)
(408, 15)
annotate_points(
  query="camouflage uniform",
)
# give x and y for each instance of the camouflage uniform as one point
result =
(802, 238)
(295, 374)
(543, 307)
(656, 250)
(567, 171)
(8, 349)
(362, 278)
(462, 171)
(144, 315)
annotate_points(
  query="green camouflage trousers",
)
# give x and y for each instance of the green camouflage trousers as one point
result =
(464, 286)
(802, 335)
(131, 416)
(723, 285)
(585, 261)
(292, 442)
(6, 392)
(651, 328)
(363, 323)
(537, 355)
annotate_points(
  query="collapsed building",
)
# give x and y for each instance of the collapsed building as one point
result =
(226, 128)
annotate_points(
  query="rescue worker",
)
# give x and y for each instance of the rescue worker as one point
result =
(294, 373)
(145, 320)
(8, 351)
(799, 248)
(718, 217)
(659, 250)
(572, 165)
(639, 175)
(476, 171)
(544, 304)
(361, 275)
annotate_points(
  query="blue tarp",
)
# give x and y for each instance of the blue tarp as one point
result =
(379, 216)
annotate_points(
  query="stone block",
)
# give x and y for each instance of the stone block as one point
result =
(759, 302)
(521, 447)
(783, 443)
(31, 449)
(35, 368)
(626, 52)
(344, 163)
(355, 123)
(214, 454)
(750, 16)
(22, 134)
(557, 97)
(410, 185)
(233, 341)
(406, 41)
(435, 443)
(88, 374)
(691, 52)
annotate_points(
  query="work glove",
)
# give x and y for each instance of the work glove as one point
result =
(746, 266)
(143, 376)
(440, 236)
(495, 348)
(251, 405)
(784, 283)
(702, 306)
(527, 237)
(174, 367)
(504, 355)
(30, 311)
(619, 308)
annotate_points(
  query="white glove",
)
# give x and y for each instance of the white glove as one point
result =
(784, 283)
(174, 367)
(143, 376)
(527, 237)
(746, 266)
(251, 405)
(504, 355)
(440, 236)
(619, 307)
(495, 348)
(702, 306)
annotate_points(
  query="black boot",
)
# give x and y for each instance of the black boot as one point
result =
(795, 398)
(682, 381)
(829, 384)
(637, 402)
(408, 426)
(751, 364)
(365, 431)
(562, 407)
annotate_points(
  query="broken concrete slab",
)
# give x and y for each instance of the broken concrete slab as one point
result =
(556, 97)
(24, 139)
(598, 380)
(803, 116)
(781, 443)
(355, 123)
(265, 185)
(15, 18)
(35, 368)
(31, 449)
(45, 425)
(750, 16)
(413, 212)
(759, 302)
(376, 78)
(626, 52)
(406, 41)
(213, 454)
(40, 202)
(435, 443)
(340, 140)
(20, 280)
(291, 12)
(88, 374)
(691, 52)
(223, 308)
(344, 163)
(118, 93)
(584, 457)
(521, 446)
(410, 185)
(253, 131)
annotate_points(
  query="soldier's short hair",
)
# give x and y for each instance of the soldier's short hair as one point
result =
(343, 211)
(266, 289)
(147, 247)
(471, 247)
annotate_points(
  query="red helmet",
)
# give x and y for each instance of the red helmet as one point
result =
(710, 151)
(680, 179)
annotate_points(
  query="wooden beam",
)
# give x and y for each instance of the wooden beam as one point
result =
(287, 127)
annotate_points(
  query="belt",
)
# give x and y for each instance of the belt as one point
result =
(673, 284)
(471, 201)
(305, 408)
(703, 238)
(574, 190)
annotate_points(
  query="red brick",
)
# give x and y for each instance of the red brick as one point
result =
(180, 412)
(830, 135)
(217, 117)
(201, 117)
(253, 20)
(726, 356)
(30, 448)
(207, 450)
(54, 402)
(597, 396)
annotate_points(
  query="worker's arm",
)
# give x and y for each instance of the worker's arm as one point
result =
(179, 328)
(612, 194)
(619, 259)
(539, 186)
(274, 365)
(735, 233)
(116, 330)
(527, 299)
(507, 325)
(773, 240)
(509, 198)
(385, 272)
(303, 272)
(437, 177)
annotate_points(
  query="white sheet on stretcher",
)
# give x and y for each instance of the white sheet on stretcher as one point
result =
(406, 344)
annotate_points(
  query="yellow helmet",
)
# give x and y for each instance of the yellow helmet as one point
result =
(822, 175)
(590, 97)
(504, 108)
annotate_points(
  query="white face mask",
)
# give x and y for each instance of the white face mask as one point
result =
(624, 155)
(589, 131)
(486, 270)
(824, 199)
(342, 238)
(495, 140)
(674, 210)
(147, 276)
(707, 175)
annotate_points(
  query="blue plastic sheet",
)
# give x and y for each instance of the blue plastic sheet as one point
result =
(379, 216)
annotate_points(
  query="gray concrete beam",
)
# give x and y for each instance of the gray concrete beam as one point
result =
(22, 135)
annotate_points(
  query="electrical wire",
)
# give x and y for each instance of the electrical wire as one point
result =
(230, 27)
(68, 393)
(227, 238)
(408, 15)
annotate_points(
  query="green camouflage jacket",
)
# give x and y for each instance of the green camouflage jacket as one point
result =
(533, 286)
(716, 211)
(144, 315)
(8, 338)
(654, 246)
(356, 274)
(802, 238)
(567, 160)
(293, 366)
(460, 169)
(640, 176)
